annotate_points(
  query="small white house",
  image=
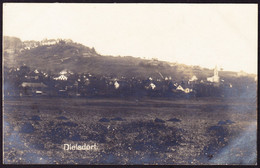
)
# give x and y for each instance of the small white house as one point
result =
(117, 85)
(213, 79)
(63, 72)
(193, 78)
(152, 86)
(49, 42)
(61, 77)
(38, 92)
(180, 88)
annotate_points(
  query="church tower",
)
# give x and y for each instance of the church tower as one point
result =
(216, 77)
(216, 71)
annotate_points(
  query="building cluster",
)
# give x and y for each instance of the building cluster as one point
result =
(25, 82)
(27, 45)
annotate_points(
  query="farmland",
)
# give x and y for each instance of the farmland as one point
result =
(130, 131)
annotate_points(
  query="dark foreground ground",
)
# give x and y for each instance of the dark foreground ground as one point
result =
(197, 131)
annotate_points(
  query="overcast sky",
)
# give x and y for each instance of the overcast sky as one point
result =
(194, 34)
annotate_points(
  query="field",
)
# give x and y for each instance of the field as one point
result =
(132, 131)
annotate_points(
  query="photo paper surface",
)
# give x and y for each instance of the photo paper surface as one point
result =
(128, 84)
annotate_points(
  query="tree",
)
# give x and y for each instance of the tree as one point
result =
(93, 50)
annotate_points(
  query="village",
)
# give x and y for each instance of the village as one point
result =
(26, 82)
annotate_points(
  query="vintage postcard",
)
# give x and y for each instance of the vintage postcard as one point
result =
(128, 84)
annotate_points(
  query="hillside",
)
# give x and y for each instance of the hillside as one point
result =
(12, 43)
(79, 58)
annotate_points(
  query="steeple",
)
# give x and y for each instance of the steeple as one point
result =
(216, 71)
(214, 78)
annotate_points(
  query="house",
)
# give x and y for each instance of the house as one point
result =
(67, 40)
(10, 51)
(49, 42)
(151, 86)
(33, 75)
(117, 85)
(29, 88)
(186, 90)
(61, 77)
(27, 48)
(215, 78)
(33, 85)
(38, 92)
(63, 72)
(193, 78)
(30, 44)
(45, 74)
(180, 88)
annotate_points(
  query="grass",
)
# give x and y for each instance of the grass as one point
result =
(131, 135)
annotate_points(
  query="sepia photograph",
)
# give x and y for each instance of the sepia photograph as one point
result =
(129, 84)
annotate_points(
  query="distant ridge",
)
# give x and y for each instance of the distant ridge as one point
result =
(55, 55)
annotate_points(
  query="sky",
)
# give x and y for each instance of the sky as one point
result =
(194, 34)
